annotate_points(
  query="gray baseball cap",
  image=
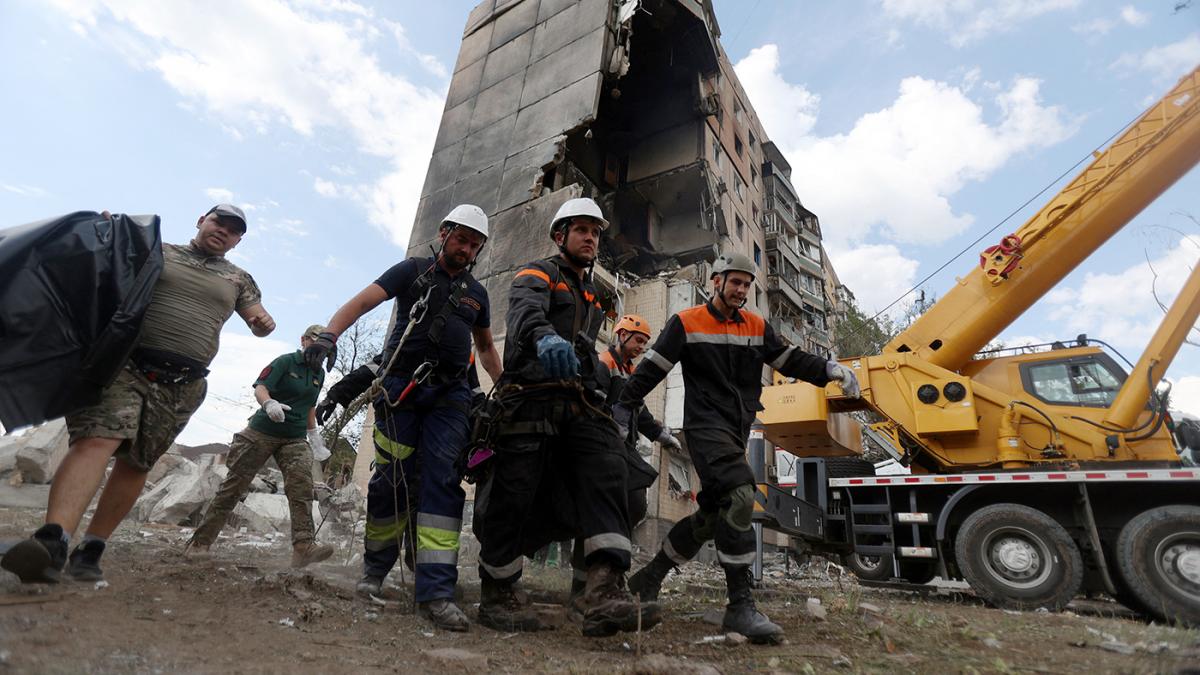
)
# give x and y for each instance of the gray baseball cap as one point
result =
(229, 211)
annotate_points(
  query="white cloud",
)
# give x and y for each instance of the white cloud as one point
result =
(23, 190)
(1132, 16)
(219, 195)
(1097, 27)
(325, 188)
(1090, 306)
(966, 21)
(897, 168)
(1166, 63)
(1185, 394)
(307, 66)
(230, 399)
(877, 274)
(332, 262)
(791, 106)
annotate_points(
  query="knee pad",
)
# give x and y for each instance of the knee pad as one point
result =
(737, 508)
(704, 526)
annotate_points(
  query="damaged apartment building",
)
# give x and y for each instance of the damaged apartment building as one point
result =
(635, 105)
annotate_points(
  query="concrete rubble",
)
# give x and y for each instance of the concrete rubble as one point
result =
(33, 456)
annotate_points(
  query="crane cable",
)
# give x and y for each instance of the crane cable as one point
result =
(970, 247)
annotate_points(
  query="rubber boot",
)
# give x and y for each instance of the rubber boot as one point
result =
(608, 608)
(84, 563)
(741, 615)
(504, 608)
(445, 615)
(646, 583)
(39, 559)
(309, 552)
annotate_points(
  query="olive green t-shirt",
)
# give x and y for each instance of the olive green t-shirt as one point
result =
(292, 383)
(194, 297)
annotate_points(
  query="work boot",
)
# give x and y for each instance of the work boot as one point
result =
(608, 608)
(40, 558)
(741, 615)
(84, 563)
(445, 615)
(369, 585)
(504, 608)
(575, 607)
(309, 552)
(646, 583)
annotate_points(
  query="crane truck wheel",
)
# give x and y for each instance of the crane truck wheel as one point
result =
(869, 567)
(1158, 555)
(1016, 557)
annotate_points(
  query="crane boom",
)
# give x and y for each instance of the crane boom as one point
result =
(1149, 157)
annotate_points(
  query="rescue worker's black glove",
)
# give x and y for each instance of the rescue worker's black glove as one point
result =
(325, 410)
(324, 348)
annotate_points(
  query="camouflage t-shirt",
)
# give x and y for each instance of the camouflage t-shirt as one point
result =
(194, 297)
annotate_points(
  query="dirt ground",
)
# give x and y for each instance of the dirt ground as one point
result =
(244, 611)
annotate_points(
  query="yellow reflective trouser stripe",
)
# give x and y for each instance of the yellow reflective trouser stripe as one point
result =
(387, 530)
(435, 539)
(385, 446)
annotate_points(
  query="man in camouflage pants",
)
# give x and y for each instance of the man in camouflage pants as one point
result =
(151, 400)
(287, 392)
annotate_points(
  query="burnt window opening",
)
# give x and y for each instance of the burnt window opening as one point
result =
(646, 155)
(741, 227)
(738, 147)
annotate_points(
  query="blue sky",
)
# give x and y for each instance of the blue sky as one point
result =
(913, 126)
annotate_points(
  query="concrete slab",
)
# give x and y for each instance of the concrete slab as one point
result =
(568, 64)
(487, 147)
(474, 45)
(465, 84)
(443, 168)
(563, 110)
(480, 189)
(549, 8)
(456, 122)
(517, 19)
(507, 59)
(568, 26)
(523, 169)
(432, 208)
(496, 102)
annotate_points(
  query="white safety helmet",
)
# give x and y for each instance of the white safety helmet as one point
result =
(580, 206)
(733, 262)
(469, 216)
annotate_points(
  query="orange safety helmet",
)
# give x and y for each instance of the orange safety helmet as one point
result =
(633, 324)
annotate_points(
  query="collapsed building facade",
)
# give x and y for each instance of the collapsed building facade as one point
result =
(634, 104)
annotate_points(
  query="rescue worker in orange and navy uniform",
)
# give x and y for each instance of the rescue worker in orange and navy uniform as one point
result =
(557, 434)
(631, 336)
(722, 349)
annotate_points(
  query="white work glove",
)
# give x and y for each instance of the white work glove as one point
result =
(668, 440)
(275, 409)
(845, 376)
(320, 452)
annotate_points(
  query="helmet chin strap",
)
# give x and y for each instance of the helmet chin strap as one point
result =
(724, 298)
(437, 255)
(574, 259)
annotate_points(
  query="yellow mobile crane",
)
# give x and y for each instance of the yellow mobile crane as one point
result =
(1034, 475)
